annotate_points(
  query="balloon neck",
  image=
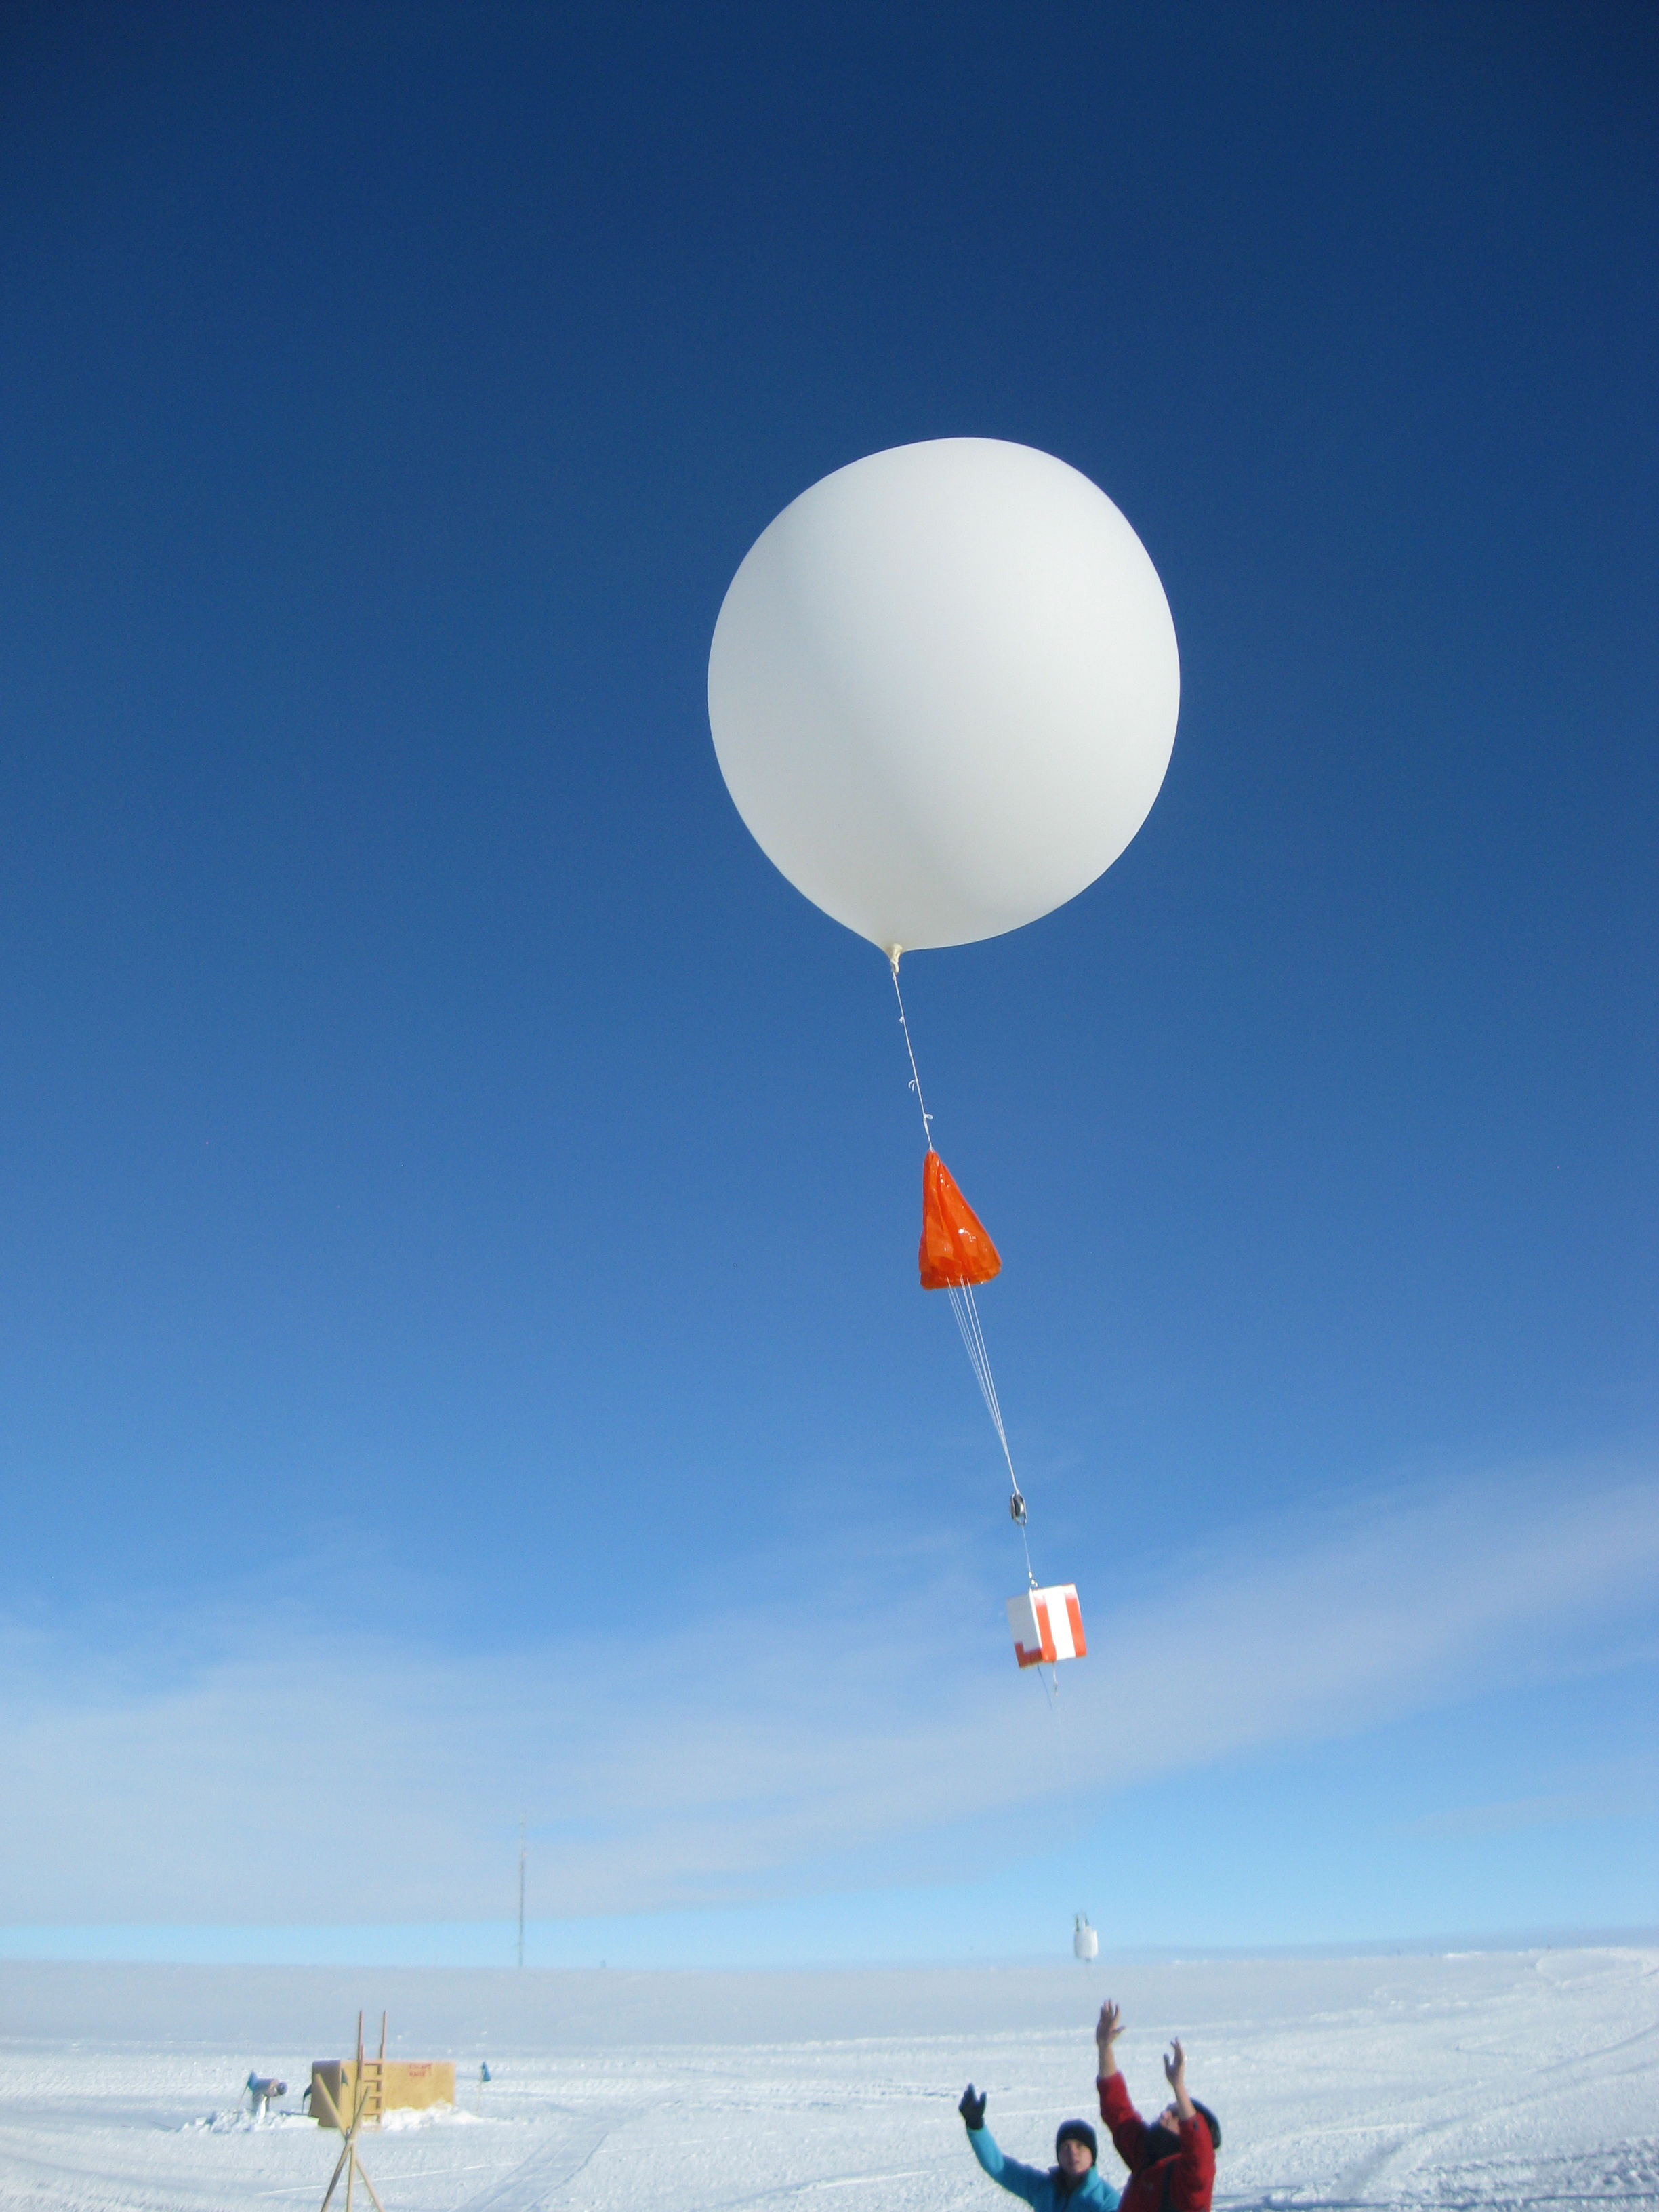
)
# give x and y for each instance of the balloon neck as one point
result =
(893, 953)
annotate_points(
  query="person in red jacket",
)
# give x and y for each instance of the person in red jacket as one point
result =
(1172, 2163)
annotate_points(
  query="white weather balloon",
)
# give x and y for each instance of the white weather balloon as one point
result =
(942, 689)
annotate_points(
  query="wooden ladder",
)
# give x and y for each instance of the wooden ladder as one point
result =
(370, 2101)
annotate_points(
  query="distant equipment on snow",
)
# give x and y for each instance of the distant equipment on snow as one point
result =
(942, 689)
(1085, 1944)
(373, 2086)
(351, 2094)
(263, 2090)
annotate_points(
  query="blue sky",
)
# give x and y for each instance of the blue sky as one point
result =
(459, 1346)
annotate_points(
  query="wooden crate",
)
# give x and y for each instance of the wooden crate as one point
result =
(390, 2085)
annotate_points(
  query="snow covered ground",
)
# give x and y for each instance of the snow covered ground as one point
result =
(1488, 2079)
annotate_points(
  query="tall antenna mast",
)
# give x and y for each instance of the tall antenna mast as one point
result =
(521, 1831)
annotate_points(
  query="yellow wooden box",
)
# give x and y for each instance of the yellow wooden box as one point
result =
(390, 2085)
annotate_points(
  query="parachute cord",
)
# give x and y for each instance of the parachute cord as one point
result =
(973, 1337)
(961, 1296)
(915, 1080)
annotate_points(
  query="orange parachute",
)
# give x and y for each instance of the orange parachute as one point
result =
(955, 1249)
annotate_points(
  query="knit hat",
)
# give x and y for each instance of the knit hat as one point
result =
(1077, 2131)
(1210, 2122)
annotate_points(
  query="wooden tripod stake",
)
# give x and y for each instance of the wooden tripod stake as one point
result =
(348, 2162)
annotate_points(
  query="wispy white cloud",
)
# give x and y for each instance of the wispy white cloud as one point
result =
(1508, 1816)
(300, 1776)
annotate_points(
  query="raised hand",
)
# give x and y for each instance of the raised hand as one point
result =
(1174, 2072)
(1108, 2028)
(972, 2109)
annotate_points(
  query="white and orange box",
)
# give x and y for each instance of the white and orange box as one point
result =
(1046, 1625)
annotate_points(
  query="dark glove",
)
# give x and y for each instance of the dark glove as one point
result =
(972, 2109)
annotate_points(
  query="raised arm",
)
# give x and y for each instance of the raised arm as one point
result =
(1129, 2131)
(1008, 2172)
(1108, 2028)
(1174, 2072)
(1193, 2176)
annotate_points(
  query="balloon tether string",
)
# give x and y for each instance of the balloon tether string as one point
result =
(915, 1080)
(962, 1304)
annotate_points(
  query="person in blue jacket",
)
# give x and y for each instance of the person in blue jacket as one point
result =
(1073, 2182)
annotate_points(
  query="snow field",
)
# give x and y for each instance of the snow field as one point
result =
(1484, 2081)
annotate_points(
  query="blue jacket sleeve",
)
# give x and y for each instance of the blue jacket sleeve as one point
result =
(1021, 2180)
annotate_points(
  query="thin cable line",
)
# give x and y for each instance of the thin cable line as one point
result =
(963, 1307)
(915, 1080)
